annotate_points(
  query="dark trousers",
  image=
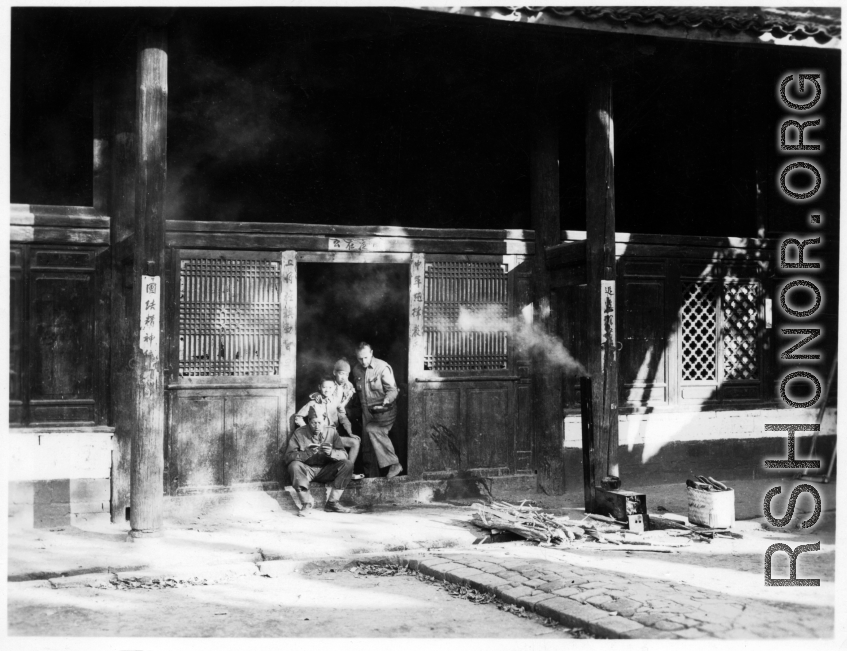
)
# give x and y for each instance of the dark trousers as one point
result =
(337, 472)
(377, 447)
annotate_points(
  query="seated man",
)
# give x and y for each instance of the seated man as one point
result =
(327, 405)
(315, 453)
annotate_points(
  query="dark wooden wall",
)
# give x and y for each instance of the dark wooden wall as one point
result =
(678, 311)
(58, 335)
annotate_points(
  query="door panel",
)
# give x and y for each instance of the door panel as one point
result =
(487, 429)
(197, 441)
(522, 422)
(64, 328)
(464, 372)
(252, 433)
(442, 443)
(233, 379)
(643, 358)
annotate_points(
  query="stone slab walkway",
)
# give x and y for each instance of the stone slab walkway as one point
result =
(614, 605)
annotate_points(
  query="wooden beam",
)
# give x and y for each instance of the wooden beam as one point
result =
(277, 242)
(147, 466)
(600, 263)
(567, 253)
(547, 418)
(681, 240)
(329, 230)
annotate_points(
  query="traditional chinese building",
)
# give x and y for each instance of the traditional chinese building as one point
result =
(464, 189)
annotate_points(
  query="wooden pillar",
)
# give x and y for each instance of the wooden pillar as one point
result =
(147, 466)
(600, 272)
(547, 416)
(122, 223)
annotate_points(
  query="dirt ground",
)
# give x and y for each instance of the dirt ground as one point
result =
(320, 604)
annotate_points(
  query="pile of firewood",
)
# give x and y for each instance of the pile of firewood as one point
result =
(704, 483)
(531, 523)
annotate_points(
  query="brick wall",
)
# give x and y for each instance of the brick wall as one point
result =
(58, 476)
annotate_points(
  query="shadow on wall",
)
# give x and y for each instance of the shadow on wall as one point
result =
(696, 326)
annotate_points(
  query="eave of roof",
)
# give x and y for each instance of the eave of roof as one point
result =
(804, 26)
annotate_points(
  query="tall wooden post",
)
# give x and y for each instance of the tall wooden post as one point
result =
(146, 476)
(122, 223)
(600, 271)
(548, 420)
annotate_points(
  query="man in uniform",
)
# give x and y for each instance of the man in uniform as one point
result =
(326, 402)
(315, 453)
(377, 389)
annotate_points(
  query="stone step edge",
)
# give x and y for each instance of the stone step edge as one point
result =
(567, 612)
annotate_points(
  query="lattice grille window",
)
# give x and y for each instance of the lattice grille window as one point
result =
(740, 312)
(478, 290)
(699, 331)
(229, 317)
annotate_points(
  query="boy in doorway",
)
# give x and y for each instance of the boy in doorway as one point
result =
(344, 389)
(326, 403)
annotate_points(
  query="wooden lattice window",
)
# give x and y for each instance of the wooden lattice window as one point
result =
(740, 311)
(229, 317)
(476, 288)
(699, 332)
(731, 309)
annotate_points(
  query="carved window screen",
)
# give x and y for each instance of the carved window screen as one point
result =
(479, 291)
(229, 317)
(739, 324)
(731, 308)
(699, 332)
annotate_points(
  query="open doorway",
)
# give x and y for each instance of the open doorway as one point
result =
(341, 304)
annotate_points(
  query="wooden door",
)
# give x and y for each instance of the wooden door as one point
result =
(58, 336)
(232, 351)
(464, 400)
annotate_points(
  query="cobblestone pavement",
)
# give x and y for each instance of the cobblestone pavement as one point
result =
(615, 605)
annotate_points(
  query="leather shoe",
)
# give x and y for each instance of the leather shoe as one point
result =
(306, 509)
(335, 507)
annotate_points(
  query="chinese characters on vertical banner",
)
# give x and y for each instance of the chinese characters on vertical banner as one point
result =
(289, 311)
(416, 306)
(150, 310)
(607, 319)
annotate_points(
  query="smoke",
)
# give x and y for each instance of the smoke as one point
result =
(528, 338)
(340, 305)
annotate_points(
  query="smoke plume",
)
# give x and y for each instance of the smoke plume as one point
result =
(528, 338)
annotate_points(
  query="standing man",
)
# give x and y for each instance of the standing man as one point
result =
(374, 381)
(315, 453)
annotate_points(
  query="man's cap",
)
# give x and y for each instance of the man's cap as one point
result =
(312, 414)
(342, 365)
